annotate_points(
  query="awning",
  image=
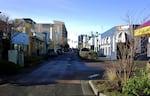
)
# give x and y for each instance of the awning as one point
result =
(21, 38)
(143, 30)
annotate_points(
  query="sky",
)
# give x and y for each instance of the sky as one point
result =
(79, 16)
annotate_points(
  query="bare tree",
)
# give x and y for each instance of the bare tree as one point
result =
(5, 34)
(126, 53)
(127, 50)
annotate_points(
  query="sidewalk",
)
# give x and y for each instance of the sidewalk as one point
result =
(87, 90)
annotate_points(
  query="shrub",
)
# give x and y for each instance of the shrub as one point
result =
(111, 74)
(137, 86)
(92, 52)
(8, 68)
(88, 54)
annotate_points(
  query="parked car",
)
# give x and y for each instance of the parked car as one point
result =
(75, 50)
(59, 51)
(84, 49)
(84, 52)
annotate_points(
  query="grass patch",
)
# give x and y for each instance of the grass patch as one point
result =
(111, 74)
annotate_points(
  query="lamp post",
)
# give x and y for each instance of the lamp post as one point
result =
(97, 41)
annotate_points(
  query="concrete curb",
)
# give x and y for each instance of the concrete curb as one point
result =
(95, 90)
(82, 87)
(86, 88)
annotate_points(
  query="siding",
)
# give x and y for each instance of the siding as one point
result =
(109, 49)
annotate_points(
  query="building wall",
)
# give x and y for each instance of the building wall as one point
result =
(110, 38)
(59, 34)
(108, 44)
(80, 41)
(46, 29)
(29, 28)
(26, 25)
(43, 27)
(64, 33)
(83, 41)
(90, 42)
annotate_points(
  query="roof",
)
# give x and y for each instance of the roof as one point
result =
(145, 24)
(29, 20)
(21, 38)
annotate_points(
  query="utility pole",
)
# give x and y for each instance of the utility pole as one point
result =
(96, 41)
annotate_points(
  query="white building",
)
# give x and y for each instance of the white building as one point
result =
(110, 38)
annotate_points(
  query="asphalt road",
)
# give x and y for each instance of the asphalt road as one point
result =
(60, 76)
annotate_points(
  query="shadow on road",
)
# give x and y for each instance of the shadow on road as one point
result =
(67, 68)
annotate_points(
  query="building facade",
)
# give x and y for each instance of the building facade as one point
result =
(83, 41)
(44, 29)
(26, 26)
(110, 39)
(59, 34)
(142, 33)
(91, 42)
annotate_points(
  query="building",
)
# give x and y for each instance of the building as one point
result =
(83, 41)
(73, 43)
(142, 33)
(111, 38)
(94, 41)
(59, 34)
(44, 29)
(25, 26)
(56, 34)
(90, 42)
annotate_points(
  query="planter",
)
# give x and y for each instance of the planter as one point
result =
(106, 87)
(95, 90)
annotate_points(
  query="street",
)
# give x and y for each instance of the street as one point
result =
(60, 76)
